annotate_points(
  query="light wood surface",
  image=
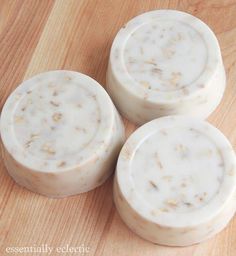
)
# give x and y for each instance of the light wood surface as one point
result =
(41, 35)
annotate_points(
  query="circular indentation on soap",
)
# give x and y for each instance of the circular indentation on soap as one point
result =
(174, 168)
(177, 167)
(158, 53)
(165, 56)
(57, 120)
(44, 122)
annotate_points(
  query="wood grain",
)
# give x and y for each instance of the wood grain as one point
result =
(41, 35)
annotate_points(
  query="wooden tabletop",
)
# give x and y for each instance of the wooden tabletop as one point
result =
(41, 35)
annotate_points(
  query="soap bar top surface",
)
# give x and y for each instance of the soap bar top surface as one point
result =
(56, 120)
(177, 171)
(165, 55)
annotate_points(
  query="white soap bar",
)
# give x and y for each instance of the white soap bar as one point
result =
(165, 62)
(61, 134)
(175, 181)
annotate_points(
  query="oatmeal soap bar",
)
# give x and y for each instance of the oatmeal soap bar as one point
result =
(165, 62)
(175, 181)
(61, 134)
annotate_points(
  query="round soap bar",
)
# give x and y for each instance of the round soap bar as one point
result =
(61, 134)
(165, 62)
(175, 181)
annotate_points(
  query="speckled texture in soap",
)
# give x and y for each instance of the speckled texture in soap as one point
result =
(165, 62)
(175, 181)
(61, 133)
